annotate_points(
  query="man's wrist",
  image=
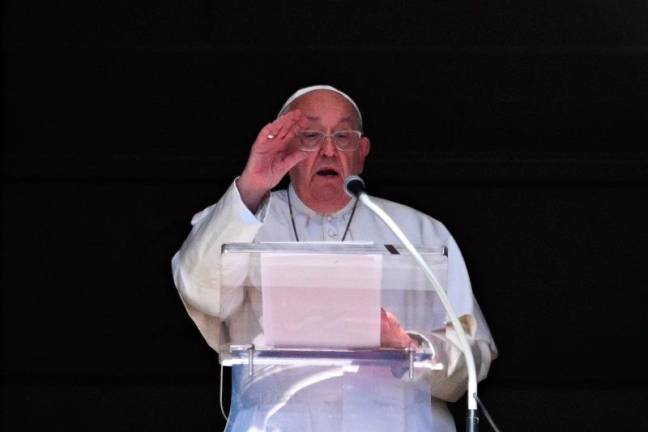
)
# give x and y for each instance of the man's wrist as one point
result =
(251, 196)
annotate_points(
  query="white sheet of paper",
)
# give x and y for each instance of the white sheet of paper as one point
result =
(321, 300)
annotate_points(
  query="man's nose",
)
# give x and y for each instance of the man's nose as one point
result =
(328, 148)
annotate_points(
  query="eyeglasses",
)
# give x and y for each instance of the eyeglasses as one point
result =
(345, 140)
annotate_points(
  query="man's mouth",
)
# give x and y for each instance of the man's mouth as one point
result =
(327, 172)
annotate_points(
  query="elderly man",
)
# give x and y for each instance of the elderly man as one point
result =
(317, 140)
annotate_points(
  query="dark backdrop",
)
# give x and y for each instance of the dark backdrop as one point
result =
(520, 125)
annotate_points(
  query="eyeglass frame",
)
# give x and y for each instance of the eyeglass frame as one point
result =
(324, 136)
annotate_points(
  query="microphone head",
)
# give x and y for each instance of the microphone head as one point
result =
(354, 186)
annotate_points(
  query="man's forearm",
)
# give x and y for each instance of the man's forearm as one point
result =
(197, 265)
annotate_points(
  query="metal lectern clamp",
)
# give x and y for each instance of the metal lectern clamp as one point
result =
(251, 360)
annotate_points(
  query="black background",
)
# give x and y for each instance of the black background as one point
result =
(520, 125)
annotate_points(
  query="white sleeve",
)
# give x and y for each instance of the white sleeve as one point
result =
(196, 266)
(450, 383)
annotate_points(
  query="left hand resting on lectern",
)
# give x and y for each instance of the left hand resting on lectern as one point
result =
(392, 335)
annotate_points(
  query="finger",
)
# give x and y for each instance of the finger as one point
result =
(292, 159)
(391, 317)
(384, 319)
(292, 131)
(267, 140)
(292, 113)
(277, 130)
(267, 132)
(288, 125)
(287, 118)
(274, 126)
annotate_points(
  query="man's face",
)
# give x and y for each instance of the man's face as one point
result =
(319, 179)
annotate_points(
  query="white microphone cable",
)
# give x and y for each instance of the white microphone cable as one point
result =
(354, 186)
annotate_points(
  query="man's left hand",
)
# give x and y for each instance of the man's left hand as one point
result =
(392, 334)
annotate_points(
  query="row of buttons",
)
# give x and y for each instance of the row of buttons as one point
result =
(331, 232)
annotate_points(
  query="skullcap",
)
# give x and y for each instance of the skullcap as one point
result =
(301, 92)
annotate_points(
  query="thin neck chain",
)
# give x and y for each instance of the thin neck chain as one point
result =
(292, 218)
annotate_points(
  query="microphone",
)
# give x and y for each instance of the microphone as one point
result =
(354, 186)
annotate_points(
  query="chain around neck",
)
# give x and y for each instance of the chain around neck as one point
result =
(292, 218)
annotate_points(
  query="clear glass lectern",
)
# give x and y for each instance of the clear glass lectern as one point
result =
(302, 333)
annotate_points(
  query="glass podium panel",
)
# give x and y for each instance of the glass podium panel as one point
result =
(303, 336)
(326, 295)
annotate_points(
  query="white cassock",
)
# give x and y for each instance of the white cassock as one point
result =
(282, 398)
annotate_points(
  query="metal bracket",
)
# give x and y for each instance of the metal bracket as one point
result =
(251, 360)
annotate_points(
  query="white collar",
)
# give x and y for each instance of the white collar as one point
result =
(299, 206)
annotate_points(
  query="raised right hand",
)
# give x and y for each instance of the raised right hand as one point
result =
(270, 158)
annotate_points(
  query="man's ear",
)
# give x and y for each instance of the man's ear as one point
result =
(365, 146)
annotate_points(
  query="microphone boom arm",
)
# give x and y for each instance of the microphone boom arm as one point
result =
(472, 419)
